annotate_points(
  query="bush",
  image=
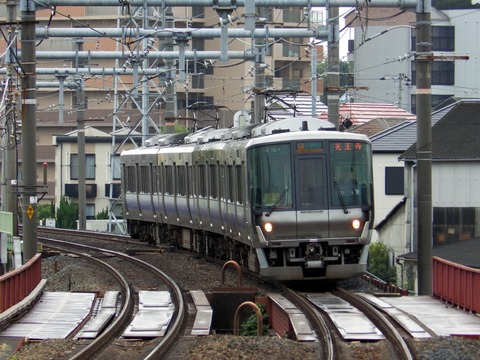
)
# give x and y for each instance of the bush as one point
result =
(102, 215)
(45, 211)
(249, 327)
(379, 262)
(67, 214)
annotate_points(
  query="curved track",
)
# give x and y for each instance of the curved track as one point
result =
(127, 309)
(386, 327)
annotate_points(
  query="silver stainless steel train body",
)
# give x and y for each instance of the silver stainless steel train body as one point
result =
(289, 202)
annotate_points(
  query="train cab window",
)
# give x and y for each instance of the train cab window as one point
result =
(270, 176)
(311, 183)
(351, 174)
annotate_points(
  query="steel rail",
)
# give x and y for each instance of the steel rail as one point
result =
(385, 326)
(127, 306)
(315, 317)
(169, 339)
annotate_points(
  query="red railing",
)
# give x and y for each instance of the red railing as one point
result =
(18, 284)
(456, 284)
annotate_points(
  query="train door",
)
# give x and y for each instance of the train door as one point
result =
(311, 192)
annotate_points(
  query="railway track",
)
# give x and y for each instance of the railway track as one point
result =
(100, 345)
(388, 329)
(323, 329)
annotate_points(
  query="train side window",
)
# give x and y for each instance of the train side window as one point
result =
(239, 173)
(157, 179)
(168, 179)
(161, 178)
(151, 183)
(213, 180)
(221, 182)
(202, 186)
(231, 192)
(144, 181)
(182, 183)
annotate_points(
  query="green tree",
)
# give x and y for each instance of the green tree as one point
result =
(322, 69)
(379, 262)
(67, 214)
(45, 211)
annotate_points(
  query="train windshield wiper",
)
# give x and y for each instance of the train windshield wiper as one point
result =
(275, 204)
(340, 196)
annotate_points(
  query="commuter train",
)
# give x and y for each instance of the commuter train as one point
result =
(290, 199)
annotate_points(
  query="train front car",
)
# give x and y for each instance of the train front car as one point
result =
(311, 194)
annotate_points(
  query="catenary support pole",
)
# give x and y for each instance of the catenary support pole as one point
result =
(424, 147)
(333, 72)
(10, 163)
(29, 132)
(82, 193)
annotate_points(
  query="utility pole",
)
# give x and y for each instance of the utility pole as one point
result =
(259, 75)
(424, 147)
(333, 72)
(29, 132)
(10, 158)
(170, 93)
(314, 81)
(82, 193)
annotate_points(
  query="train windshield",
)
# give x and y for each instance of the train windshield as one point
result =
(270, 176)
(350, 174)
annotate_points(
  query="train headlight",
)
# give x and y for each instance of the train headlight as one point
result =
(268, 227)
(356, 224)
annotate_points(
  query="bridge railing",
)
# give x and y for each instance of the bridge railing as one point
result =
(456, 284)
(19, 283)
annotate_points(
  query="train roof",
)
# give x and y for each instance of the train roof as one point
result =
(293, 124)
(273, 131)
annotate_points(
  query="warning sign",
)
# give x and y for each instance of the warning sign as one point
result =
(30, 211)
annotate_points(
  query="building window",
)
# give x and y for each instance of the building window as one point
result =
(198, 81)
(116, 190)
(116, 170)
(291, 47)
(198, 12)
(292, 15)
(454, 224)
(89, 166)
(443, 38)
(90, 211)
(443, 73)
(438, 102)
(394, 180)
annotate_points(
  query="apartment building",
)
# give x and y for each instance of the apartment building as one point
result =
(383, 53)
(141, 94)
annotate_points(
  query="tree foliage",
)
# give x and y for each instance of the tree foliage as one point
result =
(322, 70)
(379, 262)
(67, 214)
(249, 327)
(102, 215)
(45, 211)
(344, 68)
